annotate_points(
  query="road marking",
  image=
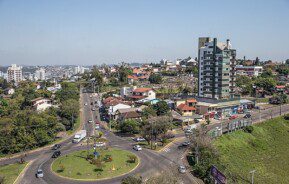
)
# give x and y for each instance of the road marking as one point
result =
(167, 149)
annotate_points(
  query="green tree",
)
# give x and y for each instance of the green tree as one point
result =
(267, 84)
(155, 79)
(123, 72)
(161, 108)
(69, 109)
(148, 112)
(130, 126)
(267, 73)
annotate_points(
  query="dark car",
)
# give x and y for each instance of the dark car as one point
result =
(247, 116)
(56, 147)
(56, 154)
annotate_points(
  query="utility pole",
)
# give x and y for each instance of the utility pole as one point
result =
(252, 178)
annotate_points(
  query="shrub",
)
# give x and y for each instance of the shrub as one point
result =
(286, 117)
(132, 159)
(249, 129)
(107, 158)
(90, 157)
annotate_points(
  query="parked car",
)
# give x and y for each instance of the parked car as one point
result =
(39, 173)
(137, 147)
(184, 145)
(93, 109)
(99, 144)
(247, 116)
(187, 143)
(233, 117)
(90, 121)
(56, 154)
(139, 139)
(85, 104)
(182, 169)
(97, 126)
(56, 147)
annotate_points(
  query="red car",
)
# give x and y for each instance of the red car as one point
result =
(233, 117)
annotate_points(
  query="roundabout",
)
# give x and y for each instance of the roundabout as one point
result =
(83, 165)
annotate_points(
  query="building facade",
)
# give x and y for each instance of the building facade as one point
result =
(40, 74)
(216, 69)
(249, 70)
(14, 73)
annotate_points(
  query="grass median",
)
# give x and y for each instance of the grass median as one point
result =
(110, 163)
(9, 173)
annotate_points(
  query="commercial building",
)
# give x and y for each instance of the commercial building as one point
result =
(14, 73)
(216, 69)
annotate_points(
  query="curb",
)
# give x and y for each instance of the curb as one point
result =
(21, 174)
(100, 179)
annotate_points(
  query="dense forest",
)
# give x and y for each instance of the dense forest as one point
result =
(22, 128)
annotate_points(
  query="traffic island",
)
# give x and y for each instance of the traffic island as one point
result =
(91, 165)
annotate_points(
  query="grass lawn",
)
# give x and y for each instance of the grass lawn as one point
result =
(264, 150)
(76, 166)
(11, 172)
(156, 147)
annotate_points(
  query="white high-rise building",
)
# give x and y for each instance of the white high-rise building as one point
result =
(79, 70)
(40, 74)
(14, 73)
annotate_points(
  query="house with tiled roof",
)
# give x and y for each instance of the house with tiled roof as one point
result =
(141, 93)
(129, 113)
(187, 108)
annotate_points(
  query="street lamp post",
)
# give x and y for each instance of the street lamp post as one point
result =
(252, 177)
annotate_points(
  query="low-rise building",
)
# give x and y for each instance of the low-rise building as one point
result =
(41, 104)
(141, 93)
(187, 107)
(249, 70)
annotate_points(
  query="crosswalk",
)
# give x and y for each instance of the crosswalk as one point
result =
(167, 150)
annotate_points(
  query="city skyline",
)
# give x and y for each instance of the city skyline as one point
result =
(90, 32)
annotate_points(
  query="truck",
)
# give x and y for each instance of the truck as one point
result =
(79, 136)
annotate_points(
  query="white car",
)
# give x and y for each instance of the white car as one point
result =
(90, 121)
(97, 126)
(137, 147)
(85, 104)
(93, 109)
(39, 173)
(139, 139)
(99, 144)
(182, 169)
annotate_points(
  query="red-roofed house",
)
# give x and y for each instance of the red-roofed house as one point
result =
(141, 93)
(280, 88)
(188, 108)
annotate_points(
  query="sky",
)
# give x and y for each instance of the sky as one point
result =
(86, 32)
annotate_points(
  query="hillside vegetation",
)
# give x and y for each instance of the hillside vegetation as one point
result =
(265, 150)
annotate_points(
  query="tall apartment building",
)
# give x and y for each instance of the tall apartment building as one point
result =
(40, 74)
(14, 73)
(216, 69)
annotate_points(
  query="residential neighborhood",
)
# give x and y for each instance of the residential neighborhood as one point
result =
(144, 92)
